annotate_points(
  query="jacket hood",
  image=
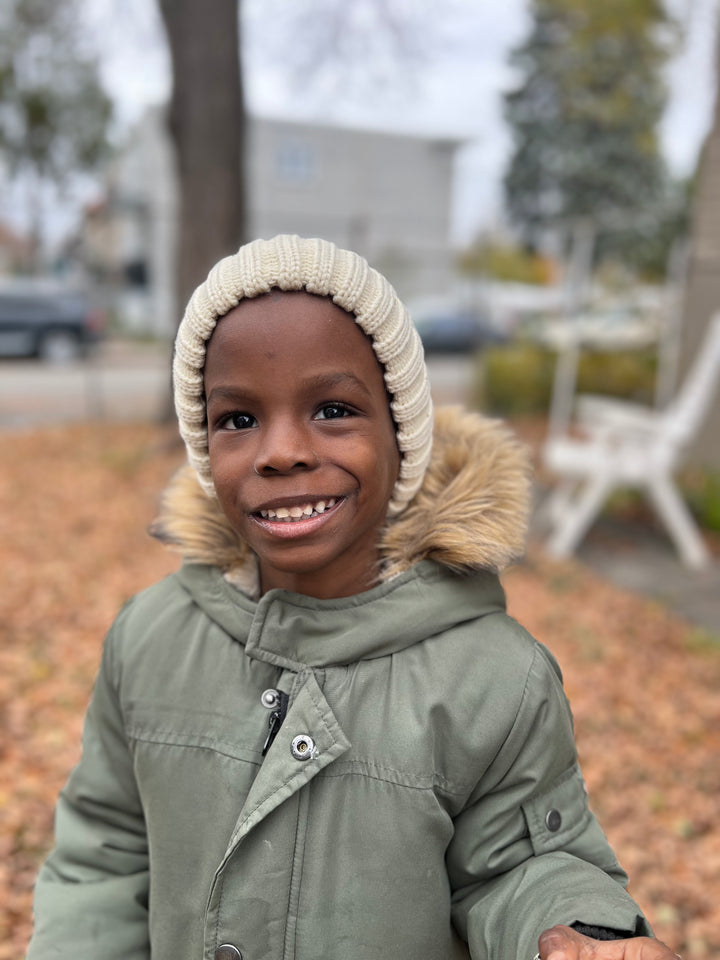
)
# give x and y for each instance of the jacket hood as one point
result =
(470, 513)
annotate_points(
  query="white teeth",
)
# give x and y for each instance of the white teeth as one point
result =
(290, 514)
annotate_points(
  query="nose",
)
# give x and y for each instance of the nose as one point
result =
(285, 446)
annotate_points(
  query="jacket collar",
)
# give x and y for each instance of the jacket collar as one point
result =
(470, 514)
(292, 631)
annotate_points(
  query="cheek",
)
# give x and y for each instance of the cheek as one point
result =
(223, 492)
(395, 462)
(392, 448)
(387, 453)
(216, 464)
(228, 470)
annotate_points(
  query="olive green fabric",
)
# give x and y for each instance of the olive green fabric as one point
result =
(418, 824)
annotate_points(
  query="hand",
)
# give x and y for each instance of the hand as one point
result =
(563, 943)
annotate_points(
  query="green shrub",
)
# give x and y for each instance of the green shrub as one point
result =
(518, 379)
(508, 263)
(628, 375)
(514, 380)
(702, 491)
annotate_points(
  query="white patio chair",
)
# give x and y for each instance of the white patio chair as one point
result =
(627, 445)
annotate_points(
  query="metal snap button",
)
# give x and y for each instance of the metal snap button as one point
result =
(553, 820)
(302, 747)
(227, 951)
(270, 699)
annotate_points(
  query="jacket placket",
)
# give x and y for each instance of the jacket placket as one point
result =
(290, 764)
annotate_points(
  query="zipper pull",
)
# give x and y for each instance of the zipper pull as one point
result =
(274, 724)
(275, 721)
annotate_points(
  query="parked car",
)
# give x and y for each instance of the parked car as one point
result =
(455, 331)
(57, 325)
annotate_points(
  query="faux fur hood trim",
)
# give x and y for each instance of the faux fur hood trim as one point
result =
(471, 512)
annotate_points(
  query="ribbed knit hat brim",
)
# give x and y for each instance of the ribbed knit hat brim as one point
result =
(319, 267)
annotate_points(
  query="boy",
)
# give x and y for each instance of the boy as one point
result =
(323, 738)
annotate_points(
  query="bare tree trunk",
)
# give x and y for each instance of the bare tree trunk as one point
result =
(207, 123)
(702, 295)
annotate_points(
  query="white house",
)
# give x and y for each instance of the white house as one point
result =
(387, 196)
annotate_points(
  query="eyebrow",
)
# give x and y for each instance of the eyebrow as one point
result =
(224, 393)
(318, 382)
(339, 379)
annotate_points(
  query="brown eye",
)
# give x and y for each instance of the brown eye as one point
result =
(332, 411)
(239, 421)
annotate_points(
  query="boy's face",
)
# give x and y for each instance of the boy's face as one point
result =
(301, 440)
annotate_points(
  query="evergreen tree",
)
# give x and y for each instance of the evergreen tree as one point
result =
(585, 115)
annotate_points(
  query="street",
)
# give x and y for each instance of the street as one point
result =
(126, 381)
(121, 381)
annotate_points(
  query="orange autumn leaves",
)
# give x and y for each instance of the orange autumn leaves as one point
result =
(75, 503)
(74, 507)
(645, 693)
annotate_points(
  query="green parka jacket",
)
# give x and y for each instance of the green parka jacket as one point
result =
(421, 799)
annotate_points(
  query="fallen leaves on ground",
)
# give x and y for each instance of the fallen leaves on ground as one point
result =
(75, 503)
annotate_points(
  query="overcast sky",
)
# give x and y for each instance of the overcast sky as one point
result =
(452, 89)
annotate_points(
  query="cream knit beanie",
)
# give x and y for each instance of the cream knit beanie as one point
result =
(319, 267)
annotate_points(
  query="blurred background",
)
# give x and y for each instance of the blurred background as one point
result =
(540, 180)
(534, 178)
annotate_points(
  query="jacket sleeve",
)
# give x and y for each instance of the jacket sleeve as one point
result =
(91, 896)
(526, 852)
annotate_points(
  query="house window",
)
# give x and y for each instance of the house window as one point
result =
(136, 273)
(294, 161)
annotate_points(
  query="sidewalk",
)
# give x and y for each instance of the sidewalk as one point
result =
(640, 557)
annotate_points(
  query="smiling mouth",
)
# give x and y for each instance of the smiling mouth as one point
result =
(298, 512)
